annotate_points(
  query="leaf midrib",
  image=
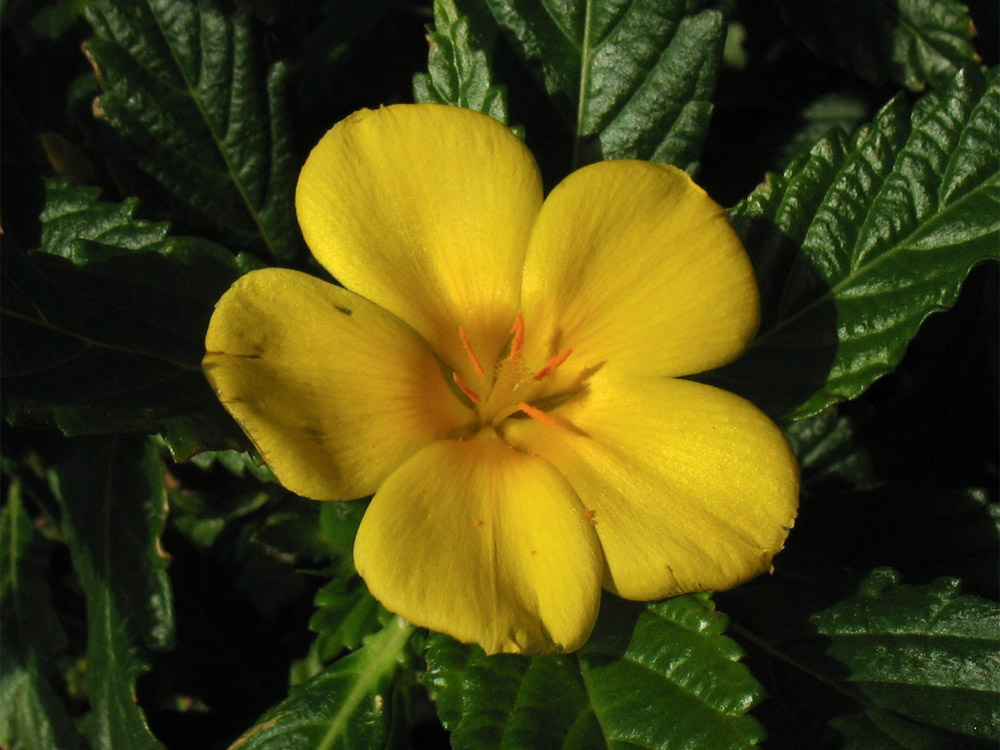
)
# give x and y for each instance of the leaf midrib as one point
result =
(230, 168)
(833, 292)
(368, 677)
(582, 101)
(94, 343)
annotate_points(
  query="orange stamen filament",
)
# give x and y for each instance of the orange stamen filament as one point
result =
(536, 413)
(518, 343)
(510, 383)
(467, 345)
(552, 364)
(473, 396)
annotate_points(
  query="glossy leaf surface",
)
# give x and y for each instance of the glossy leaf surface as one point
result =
(861, 239)
(186, 85)
(913, 42)
(651, 676)
(634, 79)
(348, 705)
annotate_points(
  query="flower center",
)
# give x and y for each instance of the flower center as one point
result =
(512, 389)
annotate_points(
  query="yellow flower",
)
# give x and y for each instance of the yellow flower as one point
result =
(503, 376)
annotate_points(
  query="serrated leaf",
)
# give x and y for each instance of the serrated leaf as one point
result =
(347, 705)
(345, 611)
(104, 326)
(923, 653)
(863, 238)
(32, 716)
(651, 676)
(237, 463)
(871, 663)
(204, 117)
(458, 67)
(113, 504)
(634, 79)
(345, 614)
(913, 42)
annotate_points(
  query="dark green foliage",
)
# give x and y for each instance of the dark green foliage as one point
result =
(30, 710)
(862, 238)
(348, 705)
(113, 505)
(875, 663)
(204, 117)
(458, 67)
(165, 591)
(104, 325)
(912, 42)
(634, 80)
(666, 666)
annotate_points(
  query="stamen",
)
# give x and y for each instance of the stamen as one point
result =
(552, 364)
(518, 343)
(473, 396)
(477, 366)
(538, 414)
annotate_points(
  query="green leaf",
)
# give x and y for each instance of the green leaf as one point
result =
(238, 463)
(913, 42)
(32, 716)
(104, 326)
(113, 502)
(345, 612)
(863, 238)
(922, 654)
(871, 664)
(347, 705)
(830, 456)
(633, 79)
(651, 676)
(202, 115)
(458, 67)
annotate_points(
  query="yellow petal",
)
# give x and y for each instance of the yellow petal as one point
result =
(334, 392)
(632, 262)
(692, 488)
(486, 544)
(425, 210)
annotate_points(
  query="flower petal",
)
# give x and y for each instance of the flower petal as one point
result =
(334, 392)
(691, 487)
(632, 262)
(486, 544)
(425, 210)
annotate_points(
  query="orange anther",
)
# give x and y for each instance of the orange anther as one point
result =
(536, 413)
(518, 343)
(473, 396)
(552, 364)
(477, 523)
(476, 364)
(590, 515)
